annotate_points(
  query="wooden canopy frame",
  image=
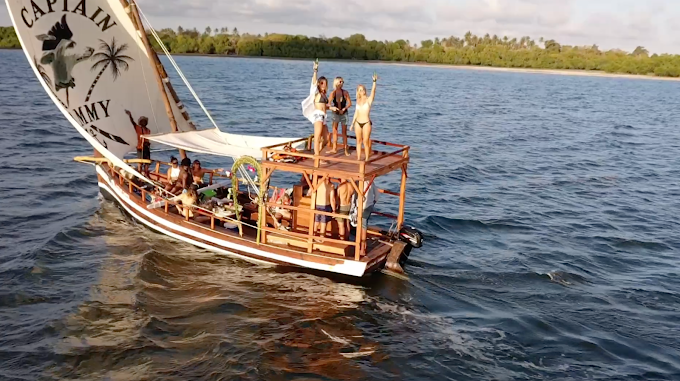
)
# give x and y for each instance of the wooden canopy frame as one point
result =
(358, 173)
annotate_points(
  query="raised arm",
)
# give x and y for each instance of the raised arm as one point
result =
(316, 70)
(132, 120)
(375, 81)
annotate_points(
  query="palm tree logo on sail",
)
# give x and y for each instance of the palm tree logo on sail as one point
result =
(57, 45)
(110, 55)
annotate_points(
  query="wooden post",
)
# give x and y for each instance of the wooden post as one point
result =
(158, 167)
(143, 195)
(150, 52)
(166, 206)
(263, 208)
(212, 222)
(360, 212)
(402, 193)
(360, 227)
(402, 198)
(312, 206)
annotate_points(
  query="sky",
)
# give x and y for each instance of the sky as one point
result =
(610, 24)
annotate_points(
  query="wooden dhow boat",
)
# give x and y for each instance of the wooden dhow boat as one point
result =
(95, 61)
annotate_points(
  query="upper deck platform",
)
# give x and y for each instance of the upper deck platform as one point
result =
(385, 158)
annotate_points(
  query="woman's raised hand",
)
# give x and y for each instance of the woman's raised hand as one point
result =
(316, 65)
(375, 77)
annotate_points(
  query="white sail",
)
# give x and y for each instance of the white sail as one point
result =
(90, 59)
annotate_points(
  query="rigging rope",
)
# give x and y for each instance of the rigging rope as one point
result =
(174, 64)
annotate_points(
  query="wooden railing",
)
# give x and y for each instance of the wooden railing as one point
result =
(268, 152)
(116, 175)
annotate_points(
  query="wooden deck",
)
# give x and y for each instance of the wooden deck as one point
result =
(385, 158)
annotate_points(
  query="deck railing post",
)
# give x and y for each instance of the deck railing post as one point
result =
(360, 213)
(263, 195)
(402, 192)
(312, 207)
(360, 227)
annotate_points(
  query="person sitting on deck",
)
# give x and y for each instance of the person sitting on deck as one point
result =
(199, 172)
(344, 193)
(184, 180)
(188, 200)
(143, 145)
(325, 202)
(173, 173)
(280, 197)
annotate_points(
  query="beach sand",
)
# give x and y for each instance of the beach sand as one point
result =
(581, 73)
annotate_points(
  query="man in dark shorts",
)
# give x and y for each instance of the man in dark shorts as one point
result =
(345, 191)
(143, 145)
(325, 202)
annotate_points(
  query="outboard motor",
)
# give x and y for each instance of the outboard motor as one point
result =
(411, 236)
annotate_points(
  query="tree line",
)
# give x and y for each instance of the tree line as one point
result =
(470, 49)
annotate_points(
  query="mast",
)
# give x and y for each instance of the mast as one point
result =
(132, 5)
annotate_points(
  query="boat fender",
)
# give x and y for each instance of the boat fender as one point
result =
(412, 236)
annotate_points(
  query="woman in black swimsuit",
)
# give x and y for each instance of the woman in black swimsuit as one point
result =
(340, 103)
(362, 118)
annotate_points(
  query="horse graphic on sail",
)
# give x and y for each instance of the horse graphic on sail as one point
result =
(57, 48)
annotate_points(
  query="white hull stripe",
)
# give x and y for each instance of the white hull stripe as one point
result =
(353, 268)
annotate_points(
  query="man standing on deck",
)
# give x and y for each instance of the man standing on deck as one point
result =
(344, 192)
(143, 145)
(325, 202)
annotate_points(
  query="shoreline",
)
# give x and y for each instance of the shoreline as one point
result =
(565, 72)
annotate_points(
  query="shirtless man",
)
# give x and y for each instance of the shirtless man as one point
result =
(344, 192)
(199, 172)
(325, 202)
(143, 145)
(185, 179)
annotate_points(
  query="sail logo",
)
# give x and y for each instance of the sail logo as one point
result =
(90, 58)
(79, 9)
(60, 52)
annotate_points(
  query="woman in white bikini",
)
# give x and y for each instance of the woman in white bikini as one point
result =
(362, 118)
(320, 107)
(173, 173)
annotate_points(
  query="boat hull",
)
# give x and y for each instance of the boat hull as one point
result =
(113, 192)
